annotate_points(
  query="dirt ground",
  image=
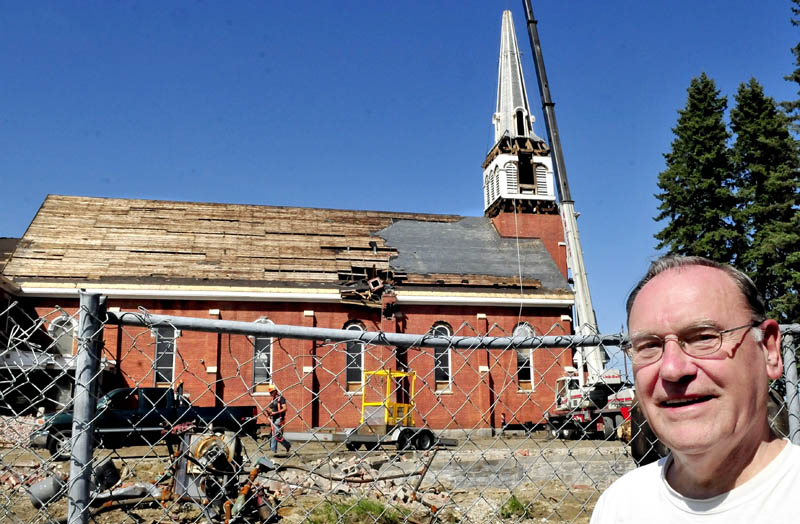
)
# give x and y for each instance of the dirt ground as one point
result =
(552, 500)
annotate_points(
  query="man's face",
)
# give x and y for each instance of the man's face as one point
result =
(695, 405)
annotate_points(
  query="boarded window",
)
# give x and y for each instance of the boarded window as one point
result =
(441, 357)
(164, 363)
(355, 360)
(524, 358)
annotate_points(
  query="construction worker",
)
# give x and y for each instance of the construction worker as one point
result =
(276, 410)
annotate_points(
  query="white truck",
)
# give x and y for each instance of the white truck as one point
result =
(590, 410)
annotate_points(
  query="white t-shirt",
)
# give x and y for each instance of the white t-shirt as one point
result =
(643, 495)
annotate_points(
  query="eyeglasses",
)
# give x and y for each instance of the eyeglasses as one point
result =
(698, 341)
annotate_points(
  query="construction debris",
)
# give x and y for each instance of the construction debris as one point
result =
(25, 473)
(255, 489)
(16, 431)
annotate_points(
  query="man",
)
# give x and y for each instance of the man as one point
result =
(277, 413)
(703, 352)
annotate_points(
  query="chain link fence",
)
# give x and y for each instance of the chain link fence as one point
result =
(132, 417)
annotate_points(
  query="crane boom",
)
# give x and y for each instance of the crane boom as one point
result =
(586, 323)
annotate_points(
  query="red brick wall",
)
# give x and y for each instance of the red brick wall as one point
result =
(319, 399)
(532, 225)
(469, 404)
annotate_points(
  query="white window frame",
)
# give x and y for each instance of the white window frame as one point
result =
(354, 326)
(254, 340)
(540, 175)
(68, 327)
(511, 170)
(157, 336)
(525, 329)
(444, 329)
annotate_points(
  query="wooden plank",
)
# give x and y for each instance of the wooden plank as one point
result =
(471, 280)
(86, 237)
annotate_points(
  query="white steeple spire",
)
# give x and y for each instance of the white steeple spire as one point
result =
(518, 171)
(513, 115)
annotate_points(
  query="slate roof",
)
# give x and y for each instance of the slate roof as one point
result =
(151, 242)
(469, 246)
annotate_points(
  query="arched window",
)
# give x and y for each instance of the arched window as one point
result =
(164, 361)
(62, 330)
(519, 117)
(442, 358)
(541, 179)
(354, 360)
(262, 360)
(524, 358)
(512, 178)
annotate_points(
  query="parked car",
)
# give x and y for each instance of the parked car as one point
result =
(135, 416)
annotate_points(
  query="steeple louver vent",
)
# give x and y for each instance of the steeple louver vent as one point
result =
(541, 179)
(512, 179)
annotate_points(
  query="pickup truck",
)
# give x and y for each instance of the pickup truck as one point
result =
(132, 416)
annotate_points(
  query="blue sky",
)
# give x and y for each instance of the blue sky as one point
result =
(363, 105)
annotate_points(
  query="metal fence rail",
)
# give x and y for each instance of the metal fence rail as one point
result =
(379, 427)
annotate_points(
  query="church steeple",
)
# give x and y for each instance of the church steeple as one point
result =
(513, 115)
(517, 172)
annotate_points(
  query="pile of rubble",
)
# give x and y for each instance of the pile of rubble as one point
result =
(16, 431)
(355, 477)
(23, 474)
(392, 480)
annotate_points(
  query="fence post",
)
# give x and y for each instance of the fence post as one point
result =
(84, 407)
(792, 399)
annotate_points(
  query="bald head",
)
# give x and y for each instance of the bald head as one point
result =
(755, 301)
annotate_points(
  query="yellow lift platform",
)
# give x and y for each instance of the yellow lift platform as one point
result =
(387, 414)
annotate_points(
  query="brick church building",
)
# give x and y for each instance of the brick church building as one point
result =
(499, 274)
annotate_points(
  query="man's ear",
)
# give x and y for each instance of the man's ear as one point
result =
(771, 343)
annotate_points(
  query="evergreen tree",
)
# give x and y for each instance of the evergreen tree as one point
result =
(765, 158)
(792, 108)
(696, 188)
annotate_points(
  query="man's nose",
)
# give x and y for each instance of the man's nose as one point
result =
(675, 364)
